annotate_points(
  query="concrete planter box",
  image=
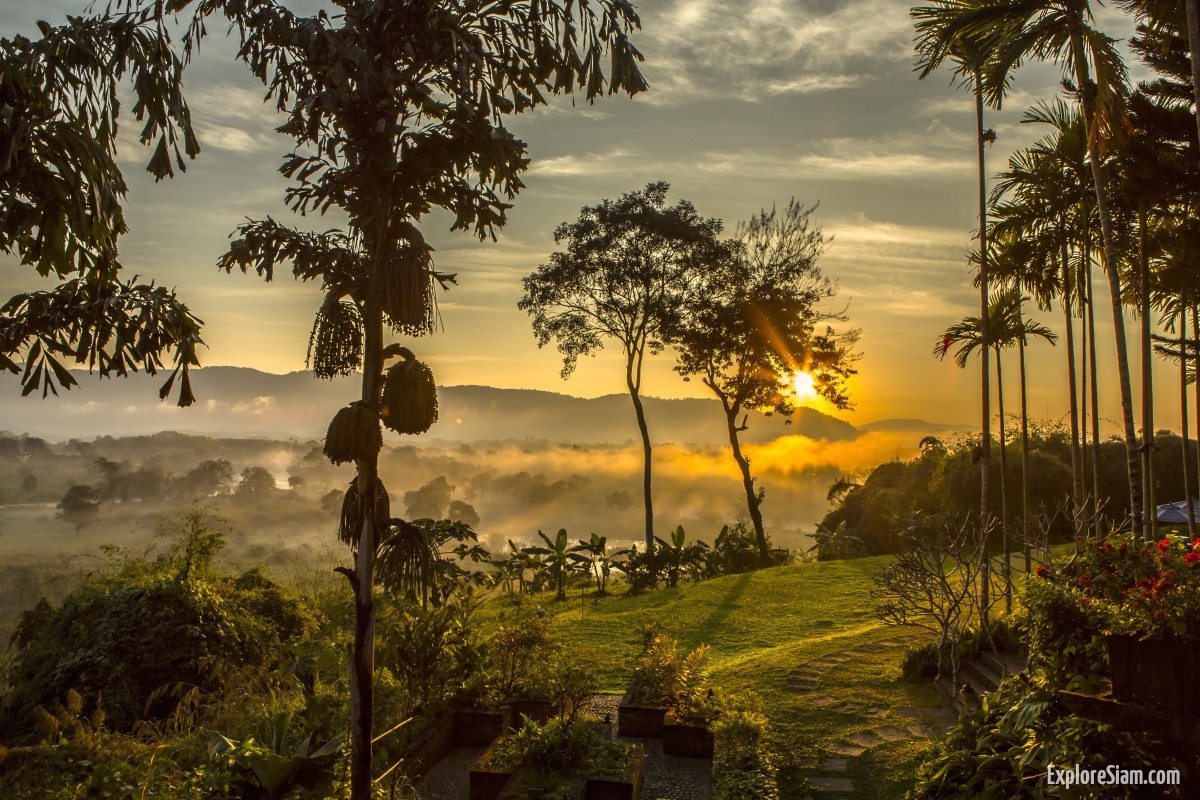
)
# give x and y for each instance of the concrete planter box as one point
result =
(690, 741)
(627, 787)
(639, 721)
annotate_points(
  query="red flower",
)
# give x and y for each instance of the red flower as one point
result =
(1192, 557)
(1163, 545)
(1121, 550)
(1042, 572)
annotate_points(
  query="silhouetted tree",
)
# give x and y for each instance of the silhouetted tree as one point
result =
(396, 109)
(627, 270)
(754, 322)
(60, 200)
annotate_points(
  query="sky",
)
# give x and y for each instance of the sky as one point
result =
(752, 102)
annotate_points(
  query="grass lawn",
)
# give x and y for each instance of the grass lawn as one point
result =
(761, 626)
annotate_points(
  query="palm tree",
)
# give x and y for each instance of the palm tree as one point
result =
(1059, 30)
(1009, 329)
(937, 40)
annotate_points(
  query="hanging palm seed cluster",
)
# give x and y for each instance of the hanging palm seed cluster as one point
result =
(351, 519)
(406, 560)
(409, 398)
(407, 297)
(354, 434)
(335, 345)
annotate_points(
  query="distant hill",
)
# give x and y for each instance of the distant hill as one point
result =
(915, 426)
(238, 402)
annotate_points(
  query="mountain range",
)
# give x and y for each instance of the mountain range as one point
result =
(243, 402)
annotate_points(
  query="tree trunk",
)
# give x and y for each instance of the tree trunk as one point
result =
(633, 380)
(1087, 90)
(362, 668)
(985, 444)
(1149, 517)
(760, 534)
(1024, 454)
(1096, 511)
(1072, 396)
(1004, 491)
(1183, 419)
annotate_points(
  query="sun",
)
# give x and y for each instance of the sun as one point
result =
(804, 387)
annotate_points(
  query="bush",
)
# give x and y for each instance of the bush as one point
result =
(118, 639)
(743, 766)
(920, 663)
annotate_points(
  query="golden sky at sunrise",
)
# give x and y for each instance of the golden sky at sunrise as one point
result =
(752, 102)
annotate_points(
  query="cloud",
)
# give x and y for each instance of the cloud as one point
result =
(590, 164)
(703, 48)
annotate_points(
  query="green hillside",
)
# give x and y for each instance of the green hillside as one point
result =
(762, 626)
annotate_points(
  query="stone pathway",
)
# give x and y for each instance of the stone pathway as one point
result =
(828, 773)
(667, 777)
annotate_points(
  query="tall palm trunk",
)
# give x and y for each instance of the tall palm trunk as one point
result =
(1086, 94)
(362, 670)
(1183, 418)
(1149, 517)
(1024, 445)
(1072, 393)
(984, 347)
(633, 381)
(1096, 511)
(1004, 491)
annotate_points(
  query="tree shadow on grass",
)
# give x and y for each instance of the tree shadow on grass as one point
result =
(726, 606)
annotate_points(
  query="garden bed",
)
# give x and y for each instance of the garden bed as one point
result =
(460, 729)
(494, 783)
(682, 739)
(639, 721)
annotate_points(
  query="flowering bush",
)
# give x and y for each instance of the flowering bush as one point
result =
(1136, 588)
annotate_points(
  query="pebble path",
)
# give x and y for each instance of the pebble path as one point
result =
(828, 773)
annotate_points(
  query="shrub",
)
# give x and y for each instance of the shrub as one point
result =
(117, 639)
(743, 766)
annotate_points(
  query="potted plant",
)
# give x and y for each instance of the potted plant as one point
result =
(663, 682)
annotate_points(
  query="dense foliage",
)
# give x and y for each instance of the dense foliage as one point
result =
(120, 638)
(1003, 749)
(944, 479)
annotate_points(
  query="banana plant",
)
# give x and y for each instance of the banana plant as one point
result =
(596, 549)
(678, 557)
(559, 562)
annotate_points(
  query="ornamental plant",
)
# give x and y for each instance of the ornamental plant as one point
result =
(1136, 588)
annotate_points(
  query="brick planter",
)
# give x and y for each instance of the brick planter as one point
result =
(460, 729)
(487, 783)
(639, 721)
(628, 787)
(537, 710)
(478, 728)
(691, 741)
(1158, 673)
